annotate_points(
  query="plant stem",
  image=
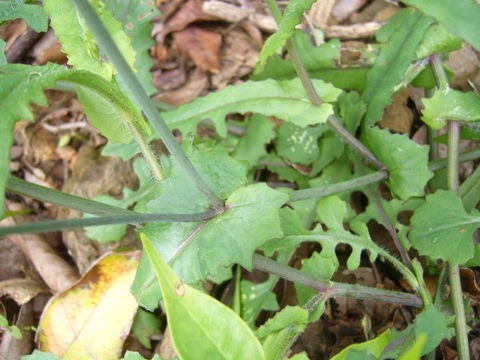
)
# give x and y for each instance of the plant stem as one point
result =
(335, 289)
(141, 97)
(135, 218)
(313, 95)
(45, 194)
(452, 181)
(321, 191)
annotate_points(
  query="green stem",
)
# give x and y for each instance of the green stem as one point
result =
(45, 194)
(313, 95)
(135, 218)
(321, 191)
(334, 288)
(452, 181)
(141, 97)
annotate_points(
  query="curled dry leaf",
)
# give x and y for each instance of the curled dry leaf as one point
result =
(92, 319)
(202, 46)
(196, 83)
(21, 290)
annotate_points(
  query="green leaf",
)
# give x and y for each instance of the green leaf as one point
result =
(3, 59)
(251, 218)
(39, 355)
(286, 28)
(144, 326)
(469, 191)
(276, 165)
(198, 321)
(251, 146)
(31, 14)
(459, 16)
(131, 355)
(331, 147)
(286, 100)
(351, 109)
(256, 297)
(280, 330)
(442, 229)
(415, 352)
(406, 161)
(438, 39)
(23, 85)
(319, 267)
(449, 104)
(78, 41)
(297, 144)
(431, 322)
(299, 356)
(395, 57)
(110, 233)
(374, 347)
(136, 16)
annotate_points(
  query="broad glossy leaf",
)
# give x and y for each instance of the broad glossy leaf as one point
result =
(459, 16)
(286, 28)
(374, 347)
(406, 161)
(432, 322)
(450, 104)
(83, 322)
(136, 17)
(442, 229)
(285, 100)
(32, 14)
(23, 85)
(395, 57)
(201, 327)
(78, 41)
(251, 146)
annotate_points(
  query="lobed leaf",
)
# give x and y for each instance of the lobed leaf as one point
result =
(32, 14)
(406, 161)
(83, 322)
(442, 229)
(395, 57)
(297, 144)
(449, 104)
(201, 327)
(438, 39)
(373, 347)
(256, 297)
(285, 100)
(459, 16)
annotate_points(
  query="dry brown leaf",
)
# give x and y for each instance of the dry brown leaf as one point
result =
(92, 319)
(52, 268)
(239, 57)
(190, 12)
(397, 116)
(200, 45)
(48, 49)
(169, 80)
(21, 290)
(344, 8)
(196, 83)
(165, 348)
(470, 282)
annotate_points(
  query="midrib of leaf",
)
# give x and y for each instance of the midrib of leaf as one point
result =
(449, 226)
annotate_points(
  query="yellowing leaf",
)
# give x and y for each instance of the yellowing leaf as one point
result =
(92, 319)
